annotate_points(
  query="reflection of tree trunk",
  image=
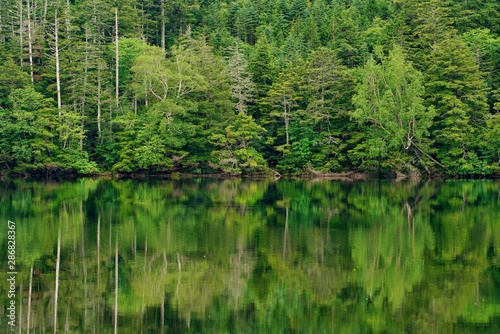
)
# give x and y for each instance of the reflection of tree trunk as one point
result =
(84, 267)
(98, 315)
(21, 288)
(145, 254)
(116, 287)
(29, 301)
(411, 225)
(98, 249)
(286, 237)
(179, 277)
(58, 260)
(66, 324)
(164, 274)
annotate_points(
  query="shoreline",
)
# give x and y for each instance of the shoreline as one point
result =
(348, 176)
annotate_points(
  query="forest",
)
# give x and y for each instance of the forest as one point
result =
(250, 87)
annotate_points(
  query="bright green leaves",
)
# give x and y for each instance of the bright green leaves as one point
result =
(389, 107)
(235, 153)
(184, 99)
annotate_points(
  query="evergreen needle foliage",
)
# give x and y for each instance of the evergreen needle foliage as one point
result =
(244, 87)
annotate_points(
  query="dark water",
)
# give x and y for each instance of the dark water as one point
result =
(206, 256)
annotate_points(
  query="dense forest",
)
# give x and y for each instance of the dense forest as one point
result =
(250, 86)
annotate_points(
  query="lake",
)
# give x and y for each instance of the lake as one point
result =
(247, 256)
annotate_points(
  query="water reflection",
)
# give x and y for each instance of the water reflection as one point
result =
(255, 256)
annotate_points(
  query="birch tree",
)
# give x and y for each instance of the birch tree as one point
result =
(389, 107)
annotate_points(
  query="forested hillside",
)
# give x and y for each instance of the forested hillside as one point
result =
(198, 86)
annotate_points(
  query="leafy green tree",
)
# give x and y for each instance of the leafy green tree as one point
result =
(235, 153)
(390, 107)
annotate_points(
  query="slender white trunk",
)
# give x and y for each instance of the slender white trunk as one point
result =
(84, 93)
(68, 21)
(163, 25)
(117, 63)
(30, 42)
(58, 69)
(21, 27)
(99, 103)
(45, 10)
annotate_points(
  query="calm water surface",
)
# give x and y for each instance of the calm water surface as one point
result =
(233, 256)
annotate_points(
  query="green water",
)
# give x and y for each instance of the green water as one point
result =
(211, 256)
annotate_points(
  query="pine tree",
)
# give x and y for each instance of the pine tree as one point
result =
(456, 88)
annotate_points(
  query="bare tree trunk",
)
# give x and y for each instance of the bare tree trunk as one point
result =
(45, 10)
(163, 25)
(30, 42)
(99, 103)
(2, 34)
(21, 27)
(117, 63)
(58, 69)
(85, 79)
(68, 21)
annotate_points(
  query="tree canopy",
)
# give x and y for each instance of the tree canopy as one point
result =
(239, 86)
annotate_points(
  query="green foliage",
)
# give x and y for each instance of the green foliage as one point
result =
(389, 106)
(290, 64)
(458, 91)
(235, 153)
(11, 77)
